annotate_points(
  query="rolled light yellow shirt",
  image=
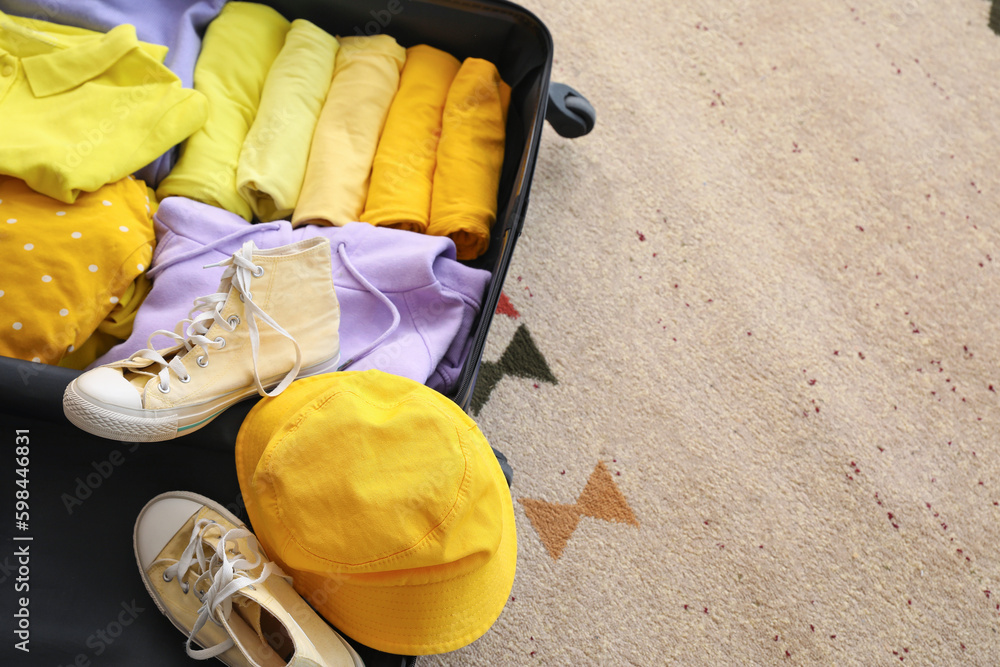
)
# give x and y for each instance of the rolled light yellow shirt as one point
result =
(273, 160)
(365, 80)
(239, 48)
(82, 109)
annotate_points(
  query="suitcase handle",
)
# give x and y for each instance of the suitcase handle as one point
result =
(568, 112)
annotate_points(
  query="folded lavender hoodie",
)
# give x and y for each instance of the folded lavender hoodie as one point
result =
(414, 317)
(177, 24)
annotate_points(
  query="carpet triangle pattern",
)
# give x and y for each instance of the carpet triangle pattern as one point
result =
(600, 499)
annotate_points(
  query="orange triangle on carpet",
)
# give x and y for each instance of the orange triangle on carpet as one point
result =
(554, 522)
(601, 498)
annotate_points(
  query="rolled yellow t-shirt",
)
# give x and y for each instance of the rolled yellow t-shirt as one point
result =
(365, 80)
(273, 159)
(470, 157)
(239, 48)
(403, 171)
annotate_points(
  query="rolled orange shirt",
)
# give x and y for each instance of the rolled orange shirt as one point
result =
(403, 172)
(470, 158)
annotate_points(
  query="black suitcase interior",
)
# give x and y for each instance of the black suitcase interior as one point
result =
(86, 600)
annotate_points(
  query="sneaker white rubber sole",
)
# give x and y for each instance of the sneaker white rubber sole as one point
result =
(128, 425)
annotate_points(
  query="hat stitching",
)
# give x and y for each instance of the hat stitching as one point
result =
(313, 407)
(421, 634)
(417, 596)
(355, 623)
(492, 577)
(391, 636)
(362, 591)
(350, 586)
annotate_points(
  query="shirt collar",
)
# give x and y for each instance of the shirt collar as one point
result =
(67, 67)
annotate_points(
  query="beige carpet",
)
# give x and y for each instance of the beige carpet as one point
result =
(747, 367)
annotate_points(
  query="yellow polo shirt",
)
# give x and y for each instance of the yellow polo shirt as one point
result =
(82, 109)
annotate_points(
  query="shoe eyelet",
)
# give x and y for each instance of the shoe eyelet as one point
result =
(220, 341)
(167, 578)
(185, 380)
(163, 390)
(202, 361)
(185, 588)
(258, 271)
(234, 321)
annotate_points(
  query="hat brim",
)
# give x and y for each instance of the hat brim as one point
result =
(418, 619)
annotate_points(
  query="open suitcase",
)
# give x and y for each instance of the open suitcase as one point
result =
(87, 603)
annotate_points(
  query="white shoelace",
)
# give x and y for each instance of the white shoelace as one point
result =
(208, 311)
(228, 576)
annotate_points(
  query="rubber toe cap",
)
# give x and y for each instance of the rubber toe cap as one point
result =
(158, 523)
(109, 386)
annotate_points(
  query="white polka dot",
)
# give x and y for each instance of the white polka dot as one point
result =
(29, 246)
(17, 326)
(60, 212)
(11, 221)
(71, 348)
(140, 267)
(106, 202)
(46, 279)
(147, 208)
(93, 268)
(76, 235)
(1, 292)
(37, 360)
(64, 312)
(114, 299)
(1, 201)
(123, 228)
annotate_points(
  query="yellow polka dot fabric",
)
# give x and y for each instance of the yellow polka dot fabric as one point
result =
(67, 266)
(113, 329)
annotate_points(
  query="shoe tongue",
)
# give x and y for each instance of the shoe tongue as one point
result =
(250, 611)
(137, 381)
(275, 647)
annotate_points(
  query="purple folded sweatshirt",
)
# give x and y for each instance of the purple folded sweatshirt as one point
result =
(177, 24)
(417, 309)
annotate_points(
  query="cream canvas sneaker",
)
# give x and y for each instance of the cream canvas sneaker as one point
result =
(208, 574)
(275, 318)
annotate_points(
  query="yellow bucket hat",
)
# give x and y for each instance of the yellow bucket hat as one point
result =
(385, 503)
